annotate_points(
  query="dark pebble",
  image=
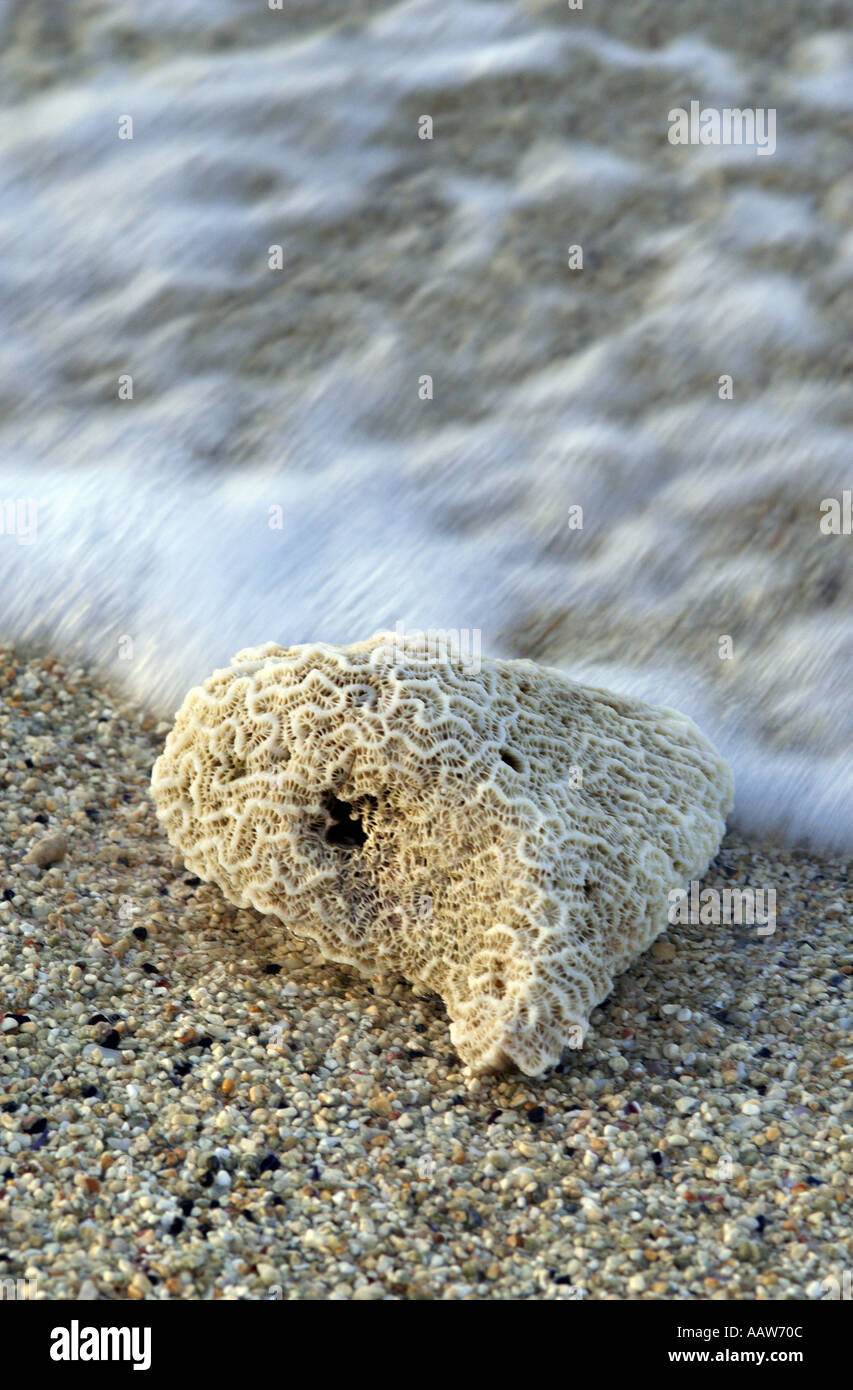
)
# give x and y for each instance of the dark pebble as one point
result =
(272, 969)
(657, 1158)
(141, 933)
(655, 1067)
(35, 1126)
(111, 1039)
(536, 1115)
(270, 1164)
(494, 1115)
(176, 1227)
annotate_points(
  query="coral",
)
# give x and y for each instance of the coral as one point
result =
(499, 834)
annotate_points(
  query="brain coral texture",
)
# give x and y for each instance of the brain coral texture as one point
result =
(503, 836)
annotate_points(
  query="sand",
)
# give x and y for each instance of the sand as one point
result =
(195, 1106)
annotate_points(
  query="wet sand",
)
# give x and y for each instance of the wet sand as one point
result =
(194, 1106)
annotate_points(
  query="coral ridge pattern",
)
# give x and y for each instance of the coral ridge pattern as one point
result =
(500, 835)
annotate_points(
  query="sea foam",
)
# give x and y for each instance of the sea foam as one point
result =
(277, 475)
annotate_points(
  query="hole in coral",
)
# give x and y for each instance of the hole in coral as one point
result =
(511, 760)
(345, 826)
(497, 984)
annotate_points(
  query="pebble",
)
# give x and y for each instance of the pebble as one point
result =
(51, 849)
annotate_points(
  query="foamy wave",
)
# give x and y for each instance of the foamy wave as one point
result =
(298, 389)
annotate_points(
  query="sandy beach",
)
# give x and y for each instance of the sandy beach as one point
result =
(194, 1106)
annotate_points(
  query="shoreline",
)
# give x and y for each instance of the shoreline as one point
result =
(194, 1105)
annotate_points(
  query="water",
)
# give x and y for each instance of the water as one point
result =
(292, 395)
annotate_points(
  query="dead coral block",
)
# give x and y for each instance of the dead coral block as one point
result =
(503, 836)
